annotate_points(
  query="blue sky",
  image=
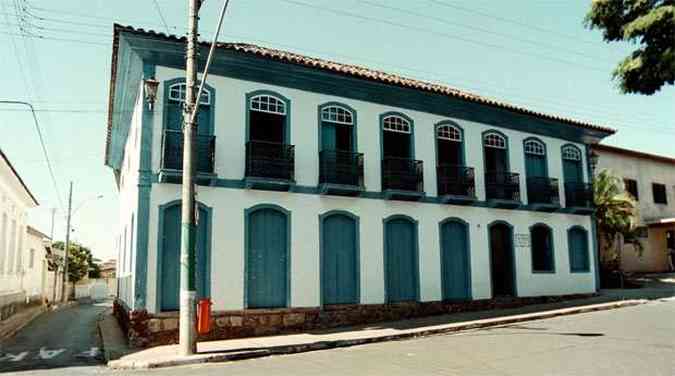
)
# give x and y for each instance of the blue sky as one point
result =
(531, 53)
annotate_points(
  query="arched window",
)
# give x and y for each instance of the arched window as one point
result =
(268, 104)
(337, 114)
(268, 118)
(395, 123)
(535, 147)
(494, 140)
(449, 132)
(541, 240)
(177, 93)
(337, 128)
(571, 153)
(536, 168)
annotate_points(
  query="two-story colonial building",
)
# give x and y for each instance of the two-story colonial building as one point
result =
(650, 179)
(330, 193)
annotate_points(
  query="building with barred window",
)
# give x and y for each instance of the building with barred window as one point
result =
(333, 194)
(650, 179)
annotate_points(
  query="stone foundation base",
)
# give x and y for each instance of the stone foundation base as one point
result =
(146, 330)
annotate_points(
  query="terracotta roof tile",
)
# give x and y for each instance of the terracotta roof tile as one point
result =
(362, 72)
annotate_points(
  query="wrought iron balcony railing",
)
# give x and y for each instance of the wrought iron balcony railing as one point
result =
(578, 195)
(543, 190)
(402, 174)
(341, 167)
(456, 180)
(502, 185)
(270, 160)
(172, 151)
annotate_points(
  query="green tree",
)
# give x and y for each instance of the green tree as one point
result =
(616, 214)
(648, 24)
(80, 262)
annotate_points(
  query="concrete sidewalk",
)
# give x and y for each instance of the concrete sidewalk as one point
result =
(229, 350)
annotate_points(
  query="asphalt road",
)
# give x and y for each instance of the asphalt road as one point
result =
(629, 341)
(56, 340)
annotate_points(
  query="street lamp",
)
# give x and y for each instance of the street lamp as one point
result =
(67, 244)
(150, 85)
(594, 161)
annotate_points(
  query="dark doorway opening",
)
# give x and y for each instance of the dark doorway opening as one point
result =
(396, 144)
(449, 152)
(495, 160)
(502, 262)
(266, 127)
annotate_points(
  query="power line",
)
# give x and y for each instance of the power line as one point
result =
(514, 22)
(479, 29)
(441, 34)
(161, 16)
(44, 147)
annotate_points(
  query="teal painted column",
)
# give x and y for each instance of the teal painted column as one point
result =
(143, 209)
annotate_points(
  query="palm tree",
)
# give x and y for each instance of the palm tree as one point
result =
(616, 214)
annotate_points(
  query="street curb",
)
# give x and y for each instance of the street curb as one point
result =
(409, 334)
(113, 341)
(9, 333)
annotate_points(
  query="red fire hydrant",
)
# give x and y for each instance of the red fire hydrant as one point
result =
(204, 316)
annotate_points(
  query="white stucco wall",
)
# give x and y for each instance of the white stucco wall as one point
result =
(227, 278)
(35, 273)
(14, 205)
(227, 247)
(645, 171)
(128, 198)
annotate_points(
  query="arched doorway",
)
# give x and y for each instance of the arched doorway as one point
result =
(339, 258)
(169, 255)
(455, 260)
(267, 257)
(502, 262)
(400, 255)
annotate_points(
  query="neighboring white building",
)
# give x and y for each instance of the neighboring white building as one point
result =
(323, 184)
(651, 180)
(37, 281)
(15, 201)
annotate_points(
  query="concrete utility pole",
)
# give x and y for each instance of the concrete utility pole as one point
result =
(64, 287)
(56, 264)
(187, 335)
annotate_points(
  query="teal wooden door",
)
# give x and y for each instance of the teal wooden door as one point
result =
(578, 244)
(572, 171)
(267, 259)
(328, 136)
(339, 264)
(401, 260)
(455, 261)
(170, 264)
(535, 165)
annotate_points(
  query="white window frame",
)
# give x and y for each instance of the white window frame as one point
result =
(449, 132)
(571, 153)
(535, 147)
(272, 104)
(395, 123)
(178, 91)
(489, 141)
(337, 114)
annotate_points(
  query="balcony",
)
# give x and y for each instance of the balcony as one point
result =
(340, 172)
(172, 157)
(456, 184)
(269, 165)
(579, 198)
(402, 178)
(502, 189)
(543, 193)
